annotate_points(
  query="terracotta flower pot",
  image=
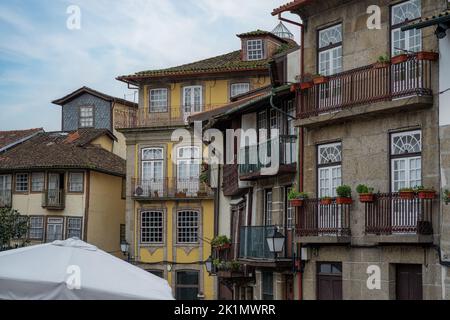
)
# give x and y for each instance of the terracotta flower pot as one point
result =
(225, 246)
(366, 197)
(306, 85)
(399, 59)
(320, 80)
(381, 65)
(407, 195)
(431, 56)
(340, 200)
(428, 194)
(326, 202)
(297, 202)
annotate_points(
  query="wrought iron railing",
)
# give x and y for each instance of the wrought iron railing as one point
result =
(171, 188)
(253, 242)
(54, 199)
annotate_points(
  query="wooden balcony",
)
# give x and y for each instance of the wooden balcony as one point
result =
(323, 223)
(5, 198)
(54, 199)
(170, 188)
(168, 117)
(229, 268)
(255, 162)
(370, 86)
(230, 186)
(393, 219)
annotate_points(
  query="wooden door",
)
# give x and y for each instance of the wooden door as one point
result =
(409, 282)
(329, 281)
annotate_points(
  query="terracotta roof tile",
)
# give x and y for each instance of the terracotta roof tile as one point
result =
(8, 138)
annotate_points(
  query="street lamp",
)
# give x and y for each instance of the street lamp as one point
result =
(275, 242)
(209, 265)
(125, 248)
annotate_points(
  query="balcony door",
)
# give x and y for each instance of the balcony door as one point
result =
(55, 227)
(409, 282)
(5, 190)
(152, 180)
(55, 185)
(192, 101)
(329, 281)
(188, 169)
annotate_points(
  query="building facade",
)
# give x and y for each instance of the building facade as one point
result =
(171, 219)
(372, 119)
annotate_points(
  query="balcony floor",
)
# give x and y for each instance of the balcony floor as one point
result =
(324, 239)
(399, 239)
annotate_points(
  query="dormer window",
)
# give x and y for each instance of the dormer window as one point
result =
(86, 117)
(255, 49)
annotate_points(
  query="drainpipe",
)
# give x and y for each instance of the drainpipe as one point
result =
(301, 137)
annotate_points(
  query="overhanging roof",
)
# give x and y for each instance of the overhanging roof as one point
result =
(290, 6)
(443, 17)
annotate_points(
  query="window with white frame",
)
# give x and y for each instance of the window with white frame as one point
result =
(76, 180)
(187, 226)
(152, 227)
(152, 173)
(192, 99)
(268, 213)
(86, 117)
(22, 182)
(55, 229)
(5, 190)
(188, 168)
(406, 160)
(239, 88)
(329, 169)
(290, 210)
(158, 100)
(74, 227)
(255, 49)
(36, 231)
(330, 50)
(37, 181)
(402, 14)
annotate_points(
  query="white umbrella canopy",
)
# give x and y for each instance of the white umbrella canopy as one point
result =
(75, 270)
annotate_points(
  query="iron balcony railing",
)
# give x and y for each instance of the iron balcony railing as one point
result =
(5, 198)
(318, 219)
(390, 214)
(54, 199)
(253, 242)
(171, 188)
(255, 157)
(143, 117)
(366, 85)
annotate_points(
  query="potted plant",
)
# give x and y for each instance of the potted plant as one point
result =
(156, 194)
(425, 193)
(446, 196)
(400, 58)
(382, 62)
(221, 242)
(326, 201)
(430, 56)
(180, 194)
(297, 198)
(344, 195)
(319, 79)
(365, 193)
(406, 193)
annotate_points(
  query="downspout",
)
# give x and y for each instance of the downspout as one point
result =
(301, 138)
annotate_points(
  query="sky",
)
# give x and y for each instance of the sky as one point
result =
(41, 59)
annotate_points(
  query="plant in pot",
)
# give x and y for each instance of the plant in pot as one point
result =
(297, 198)
(446, 196)
(365, 193)
(382, 62)
(307, 82)
(344, 195)
(221, 242)
(319, 79)
(235, 266)
(425, 193)
(326, 201)
(399, 58)
(204, 179)
(430, 56)
(407, 193)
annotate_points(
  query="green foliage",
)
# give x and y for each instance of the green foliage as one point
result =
(363, 189)
(383, 59)
(294, 195)
(422, 188)
(344, 191)
(406, 190)
(13, 227)
(204, 177)
(220, 241)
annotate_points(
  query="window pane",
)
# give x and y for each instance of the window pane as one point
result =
(152, 227)
(255, 49)
(36, 228)
(76, 182)
(37, 181)
(74, 228)
(406, 11)
(239, 88)
(187, 277)
(330, 153)
(158, 100)
(22, 182)
(330, 36)
(86, 116)
(187, 226)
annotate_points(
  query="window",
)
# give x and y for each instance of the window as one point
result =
(86, 117)
(330, 50)
(402, 14)
(22, 182)
(255, 49)
(192, 99)
(74, 226)
(5, 190)
(152, 227)
(329, 169)
(267, 285)
(406, 160)
(268, 208)
(290, 210)
(152, 171)
(188, 169)
(157, 273)
(187, 226)
(187, 285)
(36, 228)
(124, 188)
(76, 180)
(55, 228)
(239, 88)
(262, 125)
(37, 181)
(122, 233)
(158, 100)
